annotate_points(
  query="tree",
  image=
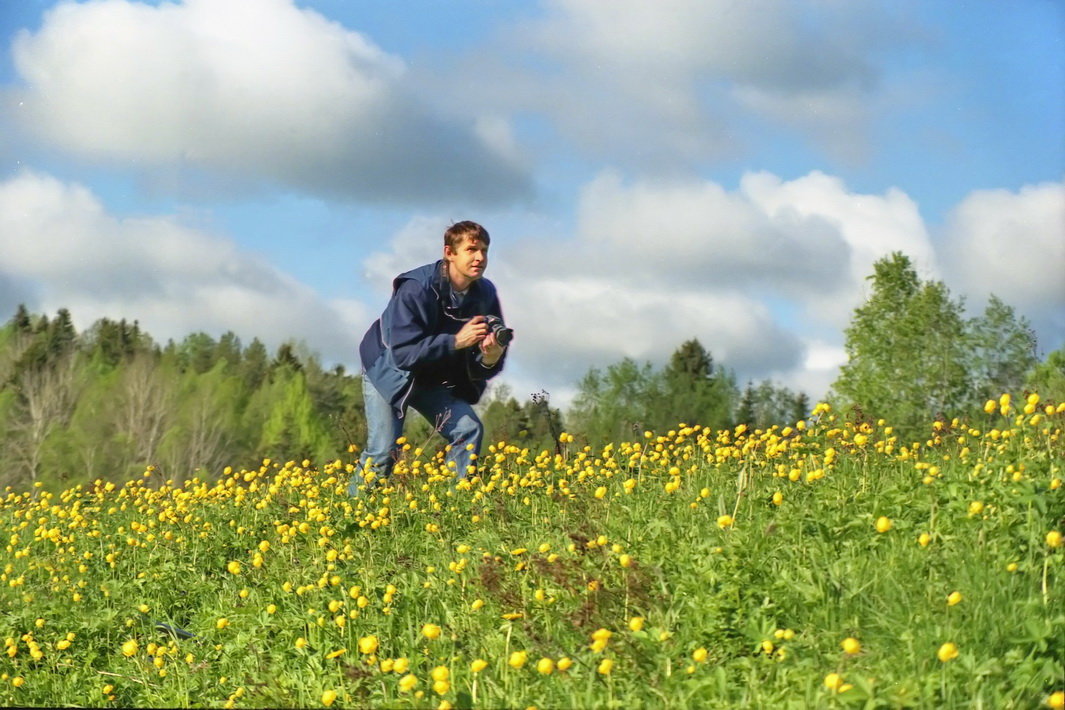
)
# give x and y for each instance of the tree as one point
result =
(1048, 377)
(143, 407)
(912, 355)
(616, 404)
(46, 396)
(255, 365)
(504, 419)
(746, 413)
(696, 391)
(769, 404)
(1003, 351)
(21, 320)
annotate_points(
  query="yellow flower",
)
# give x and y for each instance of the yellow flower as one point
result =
(517, 659)
(883, 524)
(625, 560)
(954, 598)
(545, 666)
(605, 666)
(851, 646)
(947, 652)
(833, 681)
(440, 687)
(407, 683)
(63, 644)
(18, 681)
(1056, 700)
(368, 644)
(976, 507)
(301, 642)
(636, 623)
(221, 623)
(431, 631)
(564, 664)
(129, 648)
(1054, 538)
(233, 567)
(478, 665)
(602, 634)
(725, 521)
(440, 673)
(924, 539)
(699, 654)
(329, 697)
(401, 664)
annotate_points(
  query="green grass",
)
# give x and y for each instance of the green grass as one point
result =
(769, 598)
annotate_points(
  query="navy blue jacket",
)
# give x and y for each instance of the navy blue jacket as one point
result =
(413, 342)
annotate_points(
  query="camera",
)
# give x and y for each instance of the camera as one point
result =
(496, 327)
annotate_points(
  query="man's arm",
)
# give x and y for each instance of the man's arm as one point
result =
(490, 355)
(414, 340)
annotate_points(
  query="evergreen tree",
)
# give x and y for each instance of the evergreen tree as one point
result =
(21, 320)
(286, 357)
(746, 413)
(255, 365)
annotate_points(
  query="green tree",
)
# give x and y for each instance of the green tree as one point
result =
(619, 403)
(912, 355)
(695, 391)
(1003, 351)
(1048, 377)
(504, 419)
(255, 364)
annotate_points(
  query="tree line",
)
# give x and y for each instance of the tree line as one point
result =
(110, 401)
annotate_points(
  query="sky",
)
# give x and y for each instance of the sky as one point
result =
(649, 172)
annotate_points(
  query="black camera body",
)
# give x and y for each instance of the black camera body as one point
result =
(496, 327)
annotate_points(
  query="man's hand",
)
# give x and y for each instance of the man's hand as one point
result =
(491, 351)
(473, 332)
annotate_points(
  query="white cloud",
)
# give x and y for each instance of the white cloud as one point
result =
(669, 85)
(253, 90)
(62, 249)
(1012, 244)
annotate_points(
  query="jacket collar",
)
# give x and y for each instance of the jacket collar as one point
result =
(445, 291)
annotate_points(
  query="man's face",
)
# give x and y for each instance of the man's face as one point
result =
(468, 259)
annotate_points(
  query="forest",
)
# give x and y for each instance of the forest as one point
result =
(110, 402)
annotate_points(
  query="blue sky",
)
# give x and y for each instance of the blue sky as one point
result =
(650, 172)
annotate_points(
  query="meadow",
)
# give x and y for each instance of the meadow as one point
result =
(822, 564)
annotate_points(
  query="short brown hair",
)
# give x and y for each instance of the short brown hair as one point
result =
(461, 230)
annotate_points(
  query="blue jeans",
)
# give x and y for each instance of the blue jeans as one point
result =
(453, 417)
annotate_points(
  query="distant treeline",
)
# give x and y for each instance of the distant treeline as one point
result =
(110, 401)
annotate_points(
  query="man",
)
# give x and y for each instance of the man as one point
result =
(432, 350)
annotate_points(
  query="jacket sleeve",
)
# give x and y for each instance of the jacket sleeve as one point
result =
(477, 369)
(413, 337)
